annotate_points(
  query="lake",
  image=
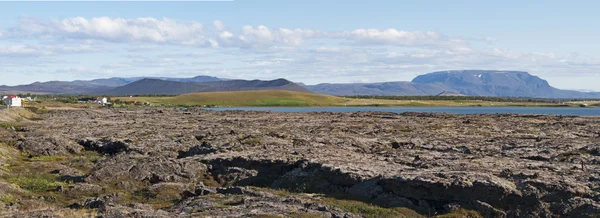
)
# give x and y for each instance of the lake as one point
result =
(566, 111)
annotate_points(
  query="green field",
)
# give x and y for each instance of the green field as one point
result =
(244, 98)
(279, 98)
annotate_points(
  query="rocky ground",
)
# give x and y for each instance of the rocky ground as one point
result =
(160, 162)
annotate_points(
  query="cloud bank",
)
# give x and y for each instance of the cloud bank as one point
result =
(193, 33)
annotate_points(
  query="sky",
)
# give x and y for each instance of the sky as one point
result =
(304, 41)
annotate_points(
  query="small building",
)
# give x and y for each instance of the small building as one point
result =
(100, 100)
(12, 101)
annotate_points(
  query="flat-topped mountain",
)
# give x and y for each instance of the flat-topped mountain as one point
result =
(462, 82)
(491, 83)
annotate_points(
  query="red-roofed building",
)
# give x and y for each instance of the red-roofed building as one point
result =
(12, 101)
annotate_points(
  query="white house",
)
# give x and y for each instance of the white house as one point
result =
(12, 101)
(100, 100)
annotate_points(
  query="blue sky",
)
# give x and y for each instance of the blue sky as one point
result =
(304, 41)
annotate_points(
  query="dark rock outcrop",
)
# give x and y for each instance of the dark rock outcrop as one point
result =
(105, 146)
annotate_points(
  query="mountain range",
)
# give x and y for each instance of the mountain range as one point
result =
(166, 87)
(458, 82)
(92, 86)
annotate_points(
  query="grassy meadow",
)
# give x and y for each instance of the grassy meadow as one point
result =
(279, 98)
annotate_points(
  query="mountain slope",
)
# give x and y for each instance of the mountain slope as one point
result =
(385, 88)
(163, 87)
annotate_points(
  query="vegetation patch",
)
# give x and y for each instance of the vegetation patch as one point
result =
(369, 210)
(279, 98)
(231, 200)
(253, 141)
(48, 158)
(282, 102)
(461, 213)
(7, 198)
(267, 216)
(304, 215)
(38, 110)
(37, 182)
(9, 125)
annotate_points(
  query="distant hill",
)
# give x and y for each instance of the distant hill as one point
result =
(54, 87)
(464, 82)
(164, 87)
(121, 81)
(251, 98)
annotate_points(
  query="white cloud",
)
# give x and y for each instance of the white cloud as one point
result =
(219, 25)
(262, 35)
(110, 29)
(213, 43)
(225, 35)
(44, 50)
(400, 38)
